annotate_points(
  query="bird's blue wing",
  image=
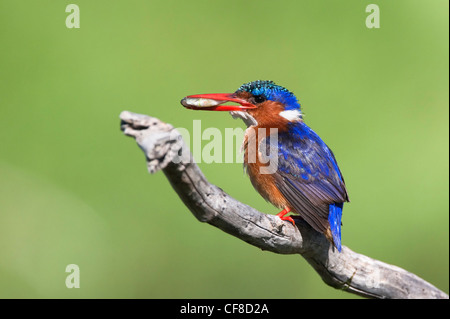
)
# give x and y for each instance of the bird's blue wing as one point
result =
(309, 178)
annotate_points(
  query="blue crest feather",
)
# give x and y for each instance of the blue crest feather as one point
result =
(272, 92)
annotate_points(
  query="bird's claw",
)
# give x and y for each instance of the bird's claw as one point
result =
(283, 217)
(288, 218)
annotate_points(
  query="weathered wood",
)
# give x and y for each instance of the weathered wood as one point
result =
(348, 270)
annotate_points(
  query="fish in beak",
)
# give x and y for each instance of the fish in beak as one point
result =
(215, 101)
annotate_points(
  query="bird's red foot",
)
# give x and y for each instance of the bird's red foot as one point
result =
(284, 212)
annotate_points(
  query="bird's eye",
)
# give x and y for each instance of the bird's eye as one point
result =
(259, 98)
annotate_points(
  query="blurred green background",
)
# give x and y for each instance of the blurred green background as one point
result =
(73, 189)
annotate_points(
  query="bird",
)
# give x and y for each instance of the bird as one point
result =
(306, 181)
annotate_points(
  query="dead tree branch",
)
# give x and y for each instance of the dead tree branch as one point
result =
(349, 271)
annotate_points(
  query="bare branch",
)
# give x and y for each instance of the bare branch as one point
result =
(349, 271)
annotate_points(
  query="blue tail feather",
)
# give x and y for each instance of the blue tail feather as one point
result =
(334, 218)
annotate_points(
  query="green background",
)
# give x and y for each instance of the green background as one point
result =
(74, 190)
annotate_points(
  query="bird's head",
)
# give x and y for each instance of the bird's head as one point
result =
(261, 103)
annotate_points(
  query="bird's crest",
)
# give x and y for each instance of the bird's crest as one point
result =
(271, 91)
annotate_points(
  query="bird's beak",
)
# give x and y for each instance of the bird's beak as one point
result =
(213, 102)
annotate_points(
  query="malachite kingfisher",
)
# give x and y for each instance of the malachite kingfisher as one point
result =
(307, 180)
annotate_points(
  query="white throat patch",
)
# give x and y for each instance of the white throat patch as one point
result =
(247, 118)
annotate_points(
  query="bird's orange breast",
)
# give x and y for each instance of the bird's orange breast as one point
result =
(263, 183)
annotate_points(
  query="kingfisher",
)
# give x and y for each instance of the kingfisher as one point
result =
(306, 181)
